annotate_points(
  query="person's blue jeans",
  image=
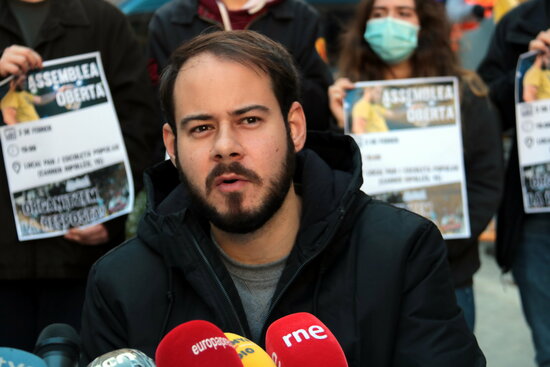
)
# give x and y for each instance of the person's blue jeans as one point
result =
(465, 300)
(531, 269)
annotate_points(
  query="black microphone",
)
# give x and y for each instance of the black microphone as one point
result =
(58, 345)
(123, 358)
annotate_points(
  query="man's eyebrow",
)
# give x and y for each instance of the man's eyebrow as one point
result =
(199, 117)
(246, 109)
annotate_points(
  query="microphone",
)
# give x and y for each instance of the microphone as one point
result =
(123, 358)
(196, 343)
(301, 340)
(58, 345)
(251, 354)
(19, 358)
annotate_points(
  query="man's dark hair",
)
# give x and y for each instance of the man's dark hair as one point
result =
(245, 47)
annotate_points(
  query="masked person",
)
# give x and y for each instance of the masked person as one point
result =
(396, 39)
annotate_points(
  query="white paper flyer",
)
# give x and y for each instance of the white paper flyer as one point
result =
(410, 137)
(63, 150)
(533, 130)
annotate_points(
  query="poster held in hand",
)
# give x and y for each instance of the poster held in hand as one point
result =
(63, 150)
(410, 137)
(533, 130)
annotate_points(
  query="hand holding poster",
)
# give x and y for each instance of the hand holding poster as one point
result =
(63, 151)
(409, 133)
(533, 130)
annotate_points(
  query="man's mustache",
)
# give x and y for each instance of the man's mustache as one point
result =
(235, 168)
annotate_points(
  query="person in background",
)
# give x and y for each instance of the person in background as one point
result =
(42, 281)
(417, 45)
(523, 240)
(292, 23)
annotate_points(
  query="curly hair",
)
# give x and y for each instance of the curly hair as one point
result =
(432, 57)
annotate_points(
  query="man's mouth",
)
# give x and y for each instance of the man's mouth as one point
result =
(231, 178)
(230, 182)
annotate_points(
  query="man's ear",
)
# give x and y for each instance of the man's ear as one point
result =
(169, 142)
(297, 123)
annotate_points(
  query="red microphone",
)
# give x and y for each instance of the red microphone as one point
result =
(196, 343)
(302, 340)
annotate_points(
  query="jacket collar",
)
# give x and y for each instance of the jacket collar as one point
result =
(184, 11)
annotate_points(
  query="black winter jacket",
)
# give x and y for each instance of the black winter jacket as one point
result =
(483, 163)
(292, 23)
(376, 275)
(510, 39)
(74, 27)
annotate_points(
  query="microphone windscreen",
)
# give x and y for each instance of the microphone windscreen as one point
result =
(19, 358)
(250, 353)
(196, 343)
(58, 345)
(123, 358)
(301, 340)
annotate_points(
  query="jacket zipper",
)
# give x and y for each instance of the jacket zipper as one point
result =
(220, 285)
(311, 258)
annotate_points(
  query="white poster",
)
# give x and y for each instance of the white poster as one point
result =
(410, 137)
(63, 150)
(533, 130)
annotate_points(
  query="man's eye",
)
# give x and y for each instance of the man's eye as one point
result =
(199, 129)
(251, 120)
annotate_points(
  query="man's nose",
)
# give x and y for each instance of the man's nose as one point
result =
(226, 143)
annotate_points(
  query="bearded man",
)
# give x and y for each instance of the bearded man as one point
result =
(247, 223)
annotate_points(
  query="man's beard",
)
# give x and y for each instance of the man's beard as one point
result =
(237, 219)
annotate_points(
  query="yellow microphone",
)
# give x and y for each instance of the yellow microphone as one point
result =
(250, 353)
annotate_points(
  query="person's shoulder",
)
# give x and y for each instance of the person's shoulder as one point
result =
(102, 14)
(394, 236)
(533, 10)
(100, 6)
(391, 224)
(8, 99)
(177, 8)
(383, 225)
(128, 262)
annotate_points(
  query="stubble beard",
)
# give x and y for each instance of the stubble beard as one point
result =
(237, 219)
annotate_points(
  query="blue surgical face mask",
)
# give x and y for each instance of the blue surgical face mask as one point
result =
(393, 40)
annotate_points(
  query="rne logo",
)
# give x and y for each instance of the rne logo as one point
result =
(314, 331)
